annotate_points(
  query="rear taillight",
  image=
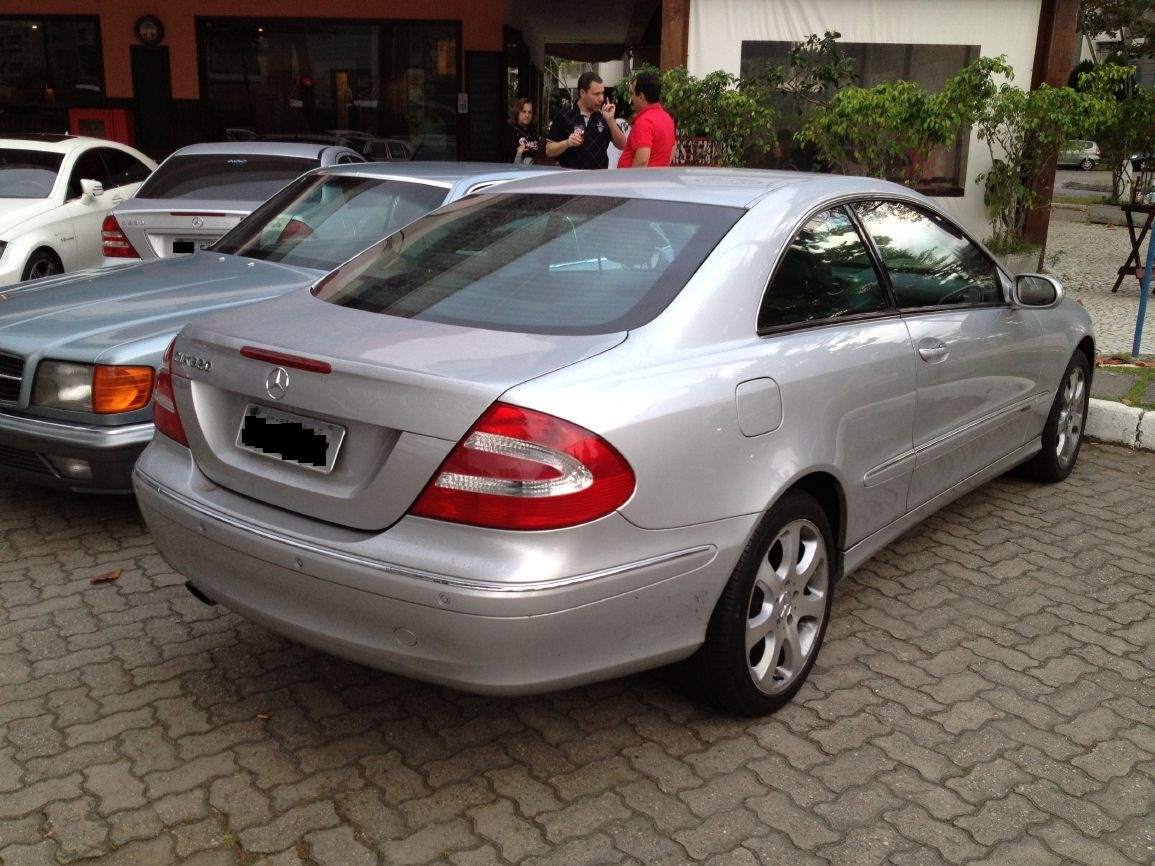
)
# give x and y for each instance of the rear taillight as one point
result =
(164, 413)
(114, 242)
(520, 469)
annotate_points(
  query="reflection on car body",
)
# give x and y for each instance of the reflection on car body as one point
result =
(582, 425)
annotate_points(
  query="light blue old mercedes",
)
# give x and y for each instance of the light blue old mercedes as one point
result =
(79, 353)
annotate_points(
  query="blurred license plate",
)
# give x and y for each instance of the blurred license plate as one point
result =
(179, 247)
(295, 439)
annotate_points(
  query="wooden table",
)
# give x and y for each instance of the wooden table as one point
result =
(1135, 261)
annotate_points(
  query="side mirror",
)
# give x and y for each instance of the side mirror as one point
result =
(92, 188)
(1036, 291)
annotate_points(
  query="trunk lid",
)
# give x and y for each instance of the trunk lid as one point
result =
(399, 394)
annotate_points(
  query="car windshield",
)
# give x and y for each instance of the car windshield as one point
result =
(321, 220)
(534, 263)
(27, 173)
(223, 177)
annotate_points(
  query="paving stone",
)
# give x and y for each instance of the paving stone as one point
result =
(985, 696)
(338, 847)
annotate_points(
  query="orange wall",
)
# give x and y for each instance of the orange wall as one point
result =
(481, 23)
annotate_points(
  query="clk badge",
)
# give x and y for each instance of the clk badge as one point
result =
(277, 383)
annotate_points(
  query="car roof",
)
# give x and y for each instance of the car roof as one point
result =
(442, 173)
(732, 187)
(308, 150)
(54, 142)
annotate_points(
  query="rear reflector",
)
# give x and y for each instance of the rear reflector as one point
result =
(114, 242)
(519, 469)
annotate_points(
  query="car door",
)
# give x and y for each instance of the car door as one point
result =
(840, 360)
(86, 212)
(978, 360)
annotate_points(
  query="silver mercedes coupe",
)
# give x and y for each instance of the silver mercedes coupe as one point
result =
(599, 422)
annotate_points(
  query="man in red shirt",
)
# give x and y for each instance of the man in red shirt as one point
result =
(651, 138)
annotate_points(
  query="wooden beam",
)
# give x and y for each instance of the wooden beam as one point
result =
(676, 33)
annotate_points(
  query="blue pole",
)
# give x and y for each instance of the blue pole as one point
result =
(1144, 291)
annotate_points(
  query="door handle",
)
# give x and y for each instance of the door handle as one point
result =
(933, 351)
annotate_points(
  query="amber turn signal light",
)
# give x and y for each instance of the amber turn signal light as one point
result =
(120, 389)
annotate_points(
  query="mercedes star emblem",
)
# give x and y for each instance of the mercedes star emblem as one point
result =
(198, 221)
(277, 383)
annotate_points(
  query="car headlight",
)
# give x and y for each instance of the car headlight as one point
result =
(99, 388)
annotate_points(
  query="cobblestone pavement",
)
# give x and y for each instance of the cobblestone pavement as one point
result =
(986, 695)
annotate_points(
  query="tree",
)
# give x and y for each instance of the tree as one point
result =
(1024, 131)
(889, 130)
(1133, 21)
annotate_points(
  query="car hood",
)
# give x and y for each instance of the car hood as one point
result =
(14, 211)
(86, 315)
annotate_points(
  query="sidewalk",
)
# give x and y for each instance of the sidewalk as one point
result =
(1086, 258)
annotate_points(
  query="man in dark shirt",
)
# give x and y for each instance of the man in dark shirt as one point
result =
(581, 134)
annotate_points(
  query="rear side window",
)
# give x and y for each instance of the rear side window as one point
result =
(552, 264)
(825, 273)
(929, 262)
(220, 177)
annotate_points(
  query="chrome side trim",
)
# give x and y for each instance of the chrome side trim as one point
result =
(415, 574)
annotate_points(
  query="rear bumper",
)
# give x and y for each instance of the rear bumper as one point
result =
(393, 600)
(38, 450)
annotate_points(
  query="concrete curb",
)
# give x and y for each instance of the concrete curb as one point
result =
(1108, 421)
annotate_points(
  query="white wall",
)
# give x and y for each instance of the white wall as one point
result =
(1008, 27)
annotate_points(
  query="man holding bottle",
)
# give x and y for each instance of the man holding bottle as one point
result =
(581, 134)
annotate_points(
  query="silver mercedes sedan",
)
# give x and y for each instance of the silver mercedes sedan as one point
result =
(595, 423)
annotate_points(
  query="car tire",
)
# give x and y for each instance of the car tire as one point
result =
(1087, 164)
(1066, 423)
(42, 263)
(768, 625)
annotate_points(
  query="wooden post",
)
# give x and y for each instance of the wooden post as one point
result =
(676, 33)
(1058, 23)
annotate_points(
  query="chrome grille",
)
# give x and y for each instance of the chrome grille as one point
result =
(11, 373)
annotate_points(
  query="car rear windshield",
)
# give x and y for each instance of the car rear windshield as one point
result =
(27, 173)
(220, 177)
(321, 220)
(535, 263)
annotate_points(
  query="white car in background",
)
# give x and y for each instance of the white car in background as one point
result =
(203, 190)
(55, 191)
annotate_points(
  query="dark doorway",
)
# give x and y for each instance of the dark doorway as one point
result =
(152, 84)
(485, 70)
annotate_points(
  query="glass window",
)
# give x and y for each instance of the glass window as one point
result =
(930, 263)
(123, 168)
(340, 80)
(223, 177)
(321, 220)
(28, 173)
(47, 65)
(550, 264)
(825, 273)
